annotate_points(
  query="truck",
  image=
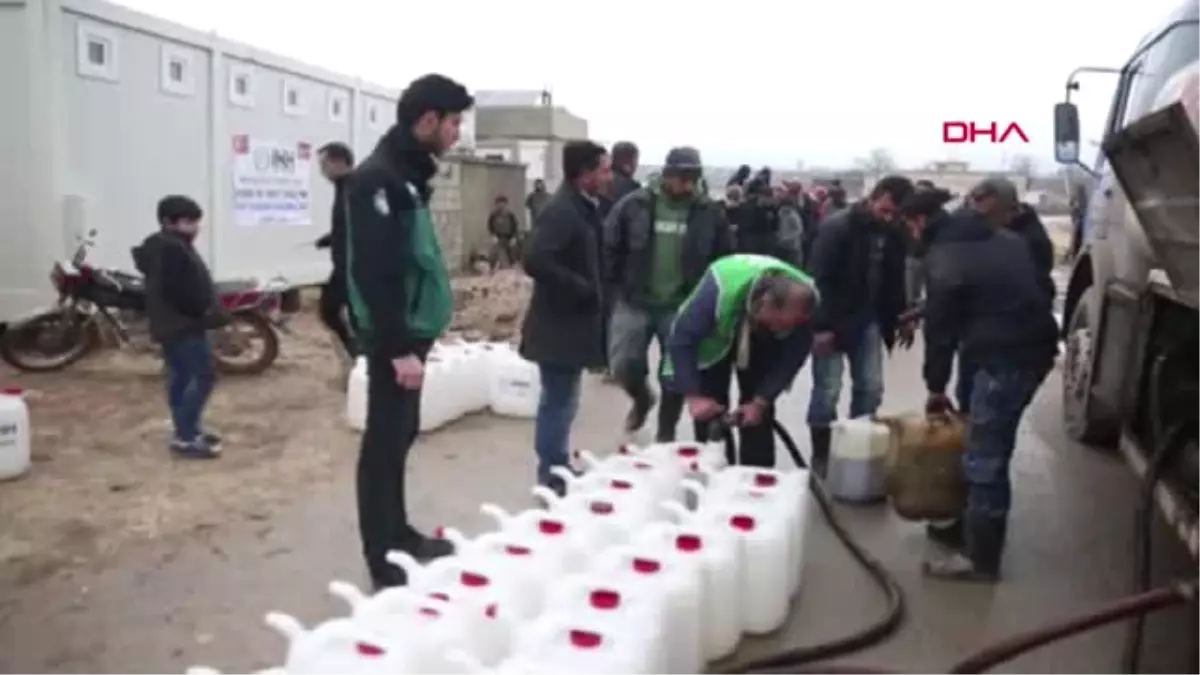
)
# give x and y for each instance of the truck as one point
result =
(1129, 375)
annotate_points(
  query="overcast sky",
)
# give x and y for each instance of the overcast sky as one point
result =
(750, 81)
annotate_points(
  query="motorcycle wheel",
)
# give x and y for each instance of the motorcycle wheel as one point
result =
(235, 348)
(23, 346)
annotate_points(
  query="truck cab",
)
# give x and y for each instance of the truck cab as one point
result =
(1130, 313)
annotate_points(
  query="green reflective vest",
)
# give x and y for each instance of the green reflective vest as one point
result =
(735, 275)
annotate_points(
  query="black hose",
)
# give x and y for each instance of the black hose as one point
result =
(1165, 440)
(877, 631)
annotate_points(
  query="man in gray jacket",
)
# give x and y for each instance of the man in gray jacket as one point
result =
(658, 241)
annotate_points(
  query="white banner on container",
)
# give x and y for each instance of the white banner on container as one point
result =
(271, 182)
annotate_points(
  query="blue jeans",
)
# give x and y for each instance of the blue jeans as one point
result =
(866, 377)
(964, 384)
(999, 397)
(557, 407)
(190, 379)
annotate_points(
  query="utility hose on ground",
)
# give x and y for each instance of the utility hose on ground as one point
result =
(877, 631)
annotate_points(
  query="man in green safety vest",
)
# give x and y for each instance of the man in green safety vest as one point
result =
(748, 314)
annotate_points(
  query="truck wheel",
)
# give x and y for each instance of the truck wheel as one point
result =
(1079, 421)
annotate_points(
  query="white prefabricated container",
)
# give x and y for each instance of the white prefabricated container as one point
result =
(719, 557)
(649, 567)
(340, 646)
(243, 126)
(857, 460)
(514, 384)
(765, 535)
(557, 534)
(15, 433)
(583, 642)
(356, 396)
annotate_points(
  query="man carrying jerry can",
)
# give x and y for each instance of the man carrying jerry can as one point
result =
(749, 314)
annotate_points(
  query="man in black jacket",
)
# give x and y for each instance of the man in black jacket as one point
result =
(984, 300)
(624, 165)
(997, 201)
(858, 262)
(337, 161)
(399, 289)
(503, 226)
(564, 327)
(658, 242)
(181, 306)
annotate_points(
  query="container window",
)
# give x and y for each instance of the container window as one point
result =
(373, 115)
(241, 85)
(293, 100)
(338, 106)
(177, 75)
(96, 52)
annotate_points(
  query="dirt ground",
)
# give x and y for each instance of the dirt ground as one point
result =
(103, 478)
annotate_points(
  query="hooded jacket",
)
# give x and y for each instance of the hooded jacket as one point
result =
(180, 300)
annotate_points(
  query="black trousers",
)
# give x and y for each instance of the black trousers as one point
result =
(393, 419)
(756, 444)
(335, 299)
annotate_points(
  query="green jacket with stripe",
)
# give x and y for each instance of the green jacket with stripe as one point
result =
(397, 281)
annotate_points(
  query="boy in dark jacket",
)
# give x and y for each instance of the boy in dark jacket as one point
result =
(180, 307)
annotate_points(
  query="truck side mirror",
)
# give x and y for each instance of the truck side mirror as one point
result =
(1066, 133)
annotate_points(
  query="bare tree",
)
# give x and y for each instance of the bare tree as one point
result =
(1025, 167)
(878, 161)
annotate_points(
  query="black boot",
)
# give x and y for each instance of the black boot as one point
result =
(670, 409)
(820, 450)
(949, 535)
(980, 562)
(643, 401)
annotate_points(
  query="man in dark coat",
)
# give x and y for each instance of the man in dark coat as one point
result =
(564, 327)
(337, 161)
(984, 301)
(997, 201)
(657, 243)
(624, 165)
(399, 289)
(858, 262)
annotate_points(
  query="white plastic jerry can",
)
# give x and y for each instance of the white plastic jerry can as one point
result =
(582, 642)
(607, 519)
(719, 554)
(514, 386)
(664, 474)
(205, 670)
(692, 456)
(555, 534)
(765, 535)
(650, 568)
(429, 627)
(789, 489)
(437, 393)
(339, 646)
(514, 563)
(857, 460)
(627, 486)
(15, 433)
(619, 603)
(475, 363)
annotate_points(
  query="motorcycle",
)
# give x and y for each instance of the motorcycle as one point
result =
(98, 306)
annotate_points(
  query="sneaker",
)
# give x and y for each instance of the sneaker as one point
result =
(196, 449)
(425, 548)
(958, 567)
(210, 439)
(947, 534)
